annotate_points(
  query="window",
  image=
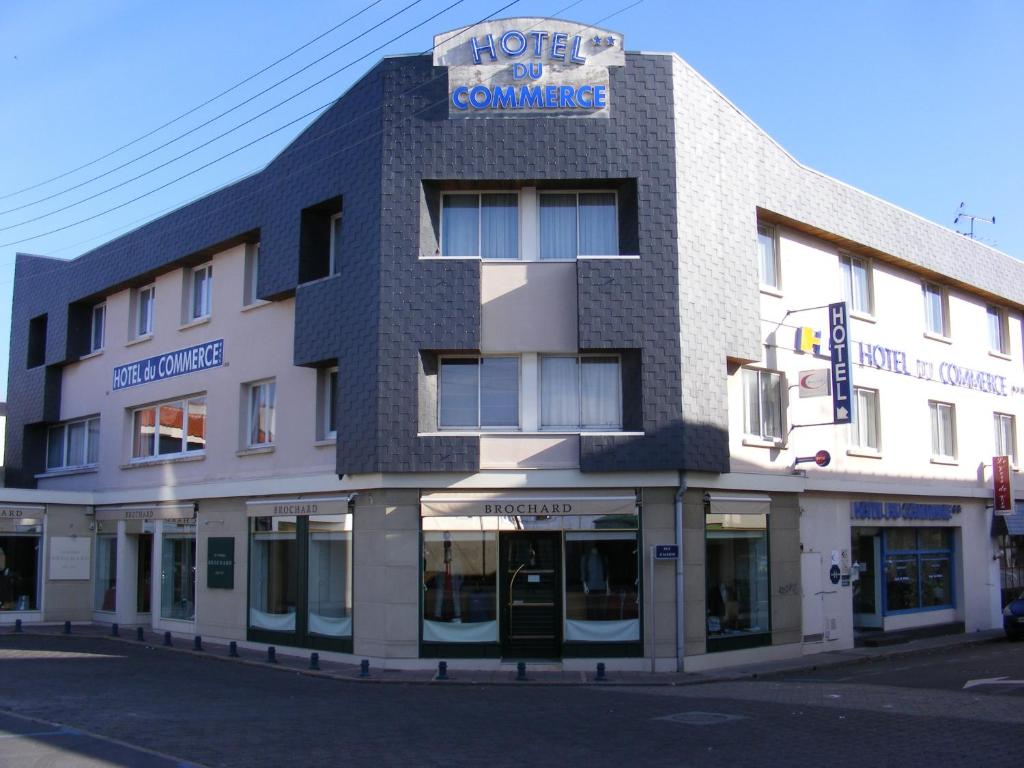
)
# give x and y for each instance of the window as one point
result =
(178, 571)
(201, 285)
(327, 398)
(738, 593)
(105, 583)
(21, 557)
(74, 444)
(1006, 436)
(998, 331)
(857, 283)
(918, 569)
(251, 275)
(335, 245)
(479, 393)
(943, 420)
(36, 342)
(260, 431)
(484, 225)
(144, 311)
(935, 310)
(768, 258)
(763, 404)
(460, 558)
(580, 392)
(864, 429)
(578, 224)
(175, 428)
(99, 317)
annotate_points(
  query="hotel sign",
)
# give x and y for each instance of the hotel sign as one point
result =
(528, 67)
(895, 510)
(1001, 489)
(201, 357)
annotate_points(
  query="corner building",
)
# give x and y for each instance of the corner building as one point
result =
(438, 380)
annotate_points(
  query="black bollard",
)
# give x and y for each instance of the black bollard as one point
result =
(233, 649)
(364, 668)
(271, 655)
(197, 643)
(314, 660)
(600, 672)
(521, 671)
(17, 626)
(167, 639)
(442, 670)
(115, 631)
(67, 627)
(139, 634)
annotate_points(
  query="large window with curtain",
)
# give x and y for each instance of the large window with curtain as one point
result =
(479, 393)
(580, 392)
(576, 224)
(484, 225)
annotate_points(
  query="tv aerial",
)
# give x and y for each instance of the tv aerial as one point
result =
(962, 214)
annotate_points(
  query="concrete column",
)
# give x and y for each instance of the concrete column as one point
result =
(660, 597)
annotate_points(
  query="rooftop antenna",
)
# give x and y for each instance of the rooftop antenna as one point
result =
(961, 214)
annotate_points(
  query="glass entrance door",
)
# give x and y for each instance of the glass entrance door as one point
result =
(867, 595)
(531, 594)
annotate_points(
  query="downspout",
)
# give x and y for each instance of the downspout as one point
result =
(678, 520)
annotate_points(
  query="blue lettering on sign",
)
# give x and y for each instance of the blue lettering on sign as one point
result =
(951, 374)
(839, 346)
(513, 43)
(178, 363)
(505, 97)
(895, 510)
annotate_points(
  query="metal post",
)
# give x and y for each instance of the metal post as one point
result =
(17, 626)
(521, 670)
(442, 670)
(233, 649)
(67, 627)
(600, 672)
(197, 643)
(114, 630)
(364, 668)
(314, 660)
(167, 638)
(139, 634)
(271, 655)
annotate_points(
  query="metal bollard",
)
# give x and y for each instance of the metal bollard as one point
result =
(521, 671)
(139, 634)
(442, 670)
(314, 660)
(271, 655)
(17, 626)
(115, 630)
(197, 643)
(233, 649)
(364, 668)
(167, 639)
(67, 627)
(600, 672)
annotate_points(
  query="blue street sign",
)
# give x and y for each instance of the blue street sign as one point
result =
(666, 551)
(839, 346)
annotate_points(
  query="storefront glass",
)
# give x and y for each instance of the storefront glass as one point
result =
(19, 568)
(273, 574)
(105, 584)
(178, 572)
(738, 597)
(144, 573)
(918, 569)
(330, 568)
(602, 599)
(460, 557)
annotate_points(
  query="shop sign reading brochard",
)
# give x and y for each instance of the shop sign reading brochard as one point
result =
(528, 67)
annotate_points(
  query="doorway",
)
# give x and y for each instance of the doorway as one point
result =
(867, 587)
(531, 597)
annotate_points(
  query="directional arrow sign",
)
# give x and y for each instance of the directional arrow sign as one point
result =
(991, 681)
(839, 346)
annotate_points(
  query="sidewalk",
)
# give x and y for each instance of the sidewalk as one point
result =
(508, 674)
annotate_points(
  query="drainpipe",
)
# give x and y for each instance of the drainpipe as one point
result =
(678, 520)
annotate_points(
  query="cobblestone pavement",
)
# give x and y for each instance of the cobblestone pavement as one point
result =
(209, 712)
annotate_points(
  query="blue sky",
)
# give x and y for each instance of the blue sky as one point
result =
(916, 101)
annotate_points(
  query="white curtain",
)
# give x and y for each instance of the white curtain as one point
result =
(499, 226)
(599, 392)
(460, 222)
(76, 444)
(559, 392)
(861, 292)
(558, 226)
(598, 224)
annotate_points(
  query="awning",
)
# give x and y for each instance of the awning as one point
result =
(543, 503)
(737, 503)
(1011, 524)
(313, 505)
(147, 512)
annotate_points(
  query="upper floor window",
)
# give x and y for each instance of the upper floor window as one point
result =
(98, 330)
(479, 393)
(144, 298)
(998, 330)
(943, 422)
(327, 399)
(334, 258)
(1006, 436)
(580, 392)
(73, 444)
(251, 274)
(169, 429)
(762, 404)
(484, 225)
(857, 283)
(578, 224)
(201, 287)
(864, 429)
(768, 255)
(936, 310)
(262, 396)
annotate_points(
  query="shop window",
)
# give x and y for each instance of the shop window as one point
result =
(144, 573)
(857, 283)
(327, 403)
(321, 240)
(98, 327)
(329, 576)
(918, 569)
(105, 581)
(36, 342)
(998, 330)
(479, 393)
(865, 427)
(578, 224)
(178, 572)
(142, 309)
(768, 255)
(943, 424)
(175, 428)
(1006, 436)
(273, 574)
(738, 592)
(484, 225)
(602, 576)
(251, 275)
(262, 418)
(20, 567)
(762, 404)
(580, 392)
(936, 310)
(73, 445)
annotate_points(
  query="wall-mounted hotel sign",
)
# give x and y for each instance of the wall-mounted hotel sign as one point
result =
(201, 357)
(528, 67)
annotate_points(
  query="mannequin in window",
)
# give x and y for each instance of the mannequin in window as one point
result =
(448, 587)
(594, 576)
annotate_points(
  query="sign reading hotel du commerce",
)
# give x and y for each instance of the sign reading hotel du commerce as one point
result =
(528, 67)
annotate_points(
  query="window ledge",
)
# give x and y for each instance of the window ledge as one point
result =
(138, 340)
(255, 305)
(948, 461)
(864, 453)
(938, 337)
(866, 317)
(517, 433)
(90, 469)
(770, 290)
(194, 323)
(999, 355)
(758, 442)
(325, 442)
(255, 450)
(628, 256)
(314, 282)
(198, 456)
(90, 355)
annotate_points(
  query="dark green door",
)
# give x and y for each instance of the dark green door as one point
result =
(531, 576)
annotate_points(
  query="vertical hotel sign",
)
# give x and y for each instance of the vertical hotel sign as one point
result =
(528, 67)
(1002, 493)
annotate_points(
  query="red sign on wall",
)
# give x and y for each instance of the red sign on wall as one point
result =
(1001, 482)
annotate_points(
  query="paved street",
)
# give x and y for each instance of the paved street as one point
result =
(97, 702)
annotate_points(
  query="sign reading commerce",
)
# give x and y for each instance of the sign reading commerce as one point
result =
(201, 357)
(528, 67)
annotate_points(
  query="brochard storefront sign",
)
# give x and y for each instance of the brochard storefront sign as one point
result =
(528, 67)
(201, 357)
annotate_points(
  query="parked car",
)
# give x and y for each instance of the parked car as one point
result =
(1013, 618)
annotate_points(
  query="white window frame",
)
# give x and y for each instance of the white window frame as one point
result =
(332, 266)
(479, 228)
(327, 430)
(926, 288)
(1002, 344)
(858, 427)
(98, 310)
(577, 192)
(185, 404)
(65, 428)
(848, 282)
(579, 426)
(773, 232)
(251, 275)
(251, 390)
(138, 331)
(762, 374)
(936, 407)
(206, 297)
(479, 398)
(1010, 450)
